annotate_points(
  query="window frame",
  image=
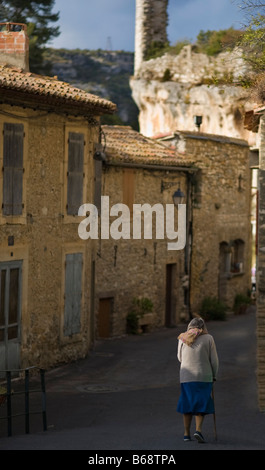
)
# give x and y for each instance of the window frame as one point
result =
(232, 254)
(237, 256)
(9, 266)
(13, 218)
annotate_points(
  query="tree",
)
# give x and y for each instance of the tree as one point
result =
(253, 39)
(37, 15)
(214, 42)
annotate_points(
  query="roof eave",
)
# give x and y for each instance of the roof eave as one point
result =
(33, 100)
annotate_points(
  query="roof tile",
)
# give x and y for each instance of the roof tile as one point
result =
(127, 145)
(50, 87)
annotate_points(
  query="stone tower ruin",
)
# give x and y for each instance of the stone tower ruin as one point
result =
(150, 26)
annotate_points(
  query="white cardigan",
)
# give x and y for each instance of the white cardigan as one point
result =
(199, 362)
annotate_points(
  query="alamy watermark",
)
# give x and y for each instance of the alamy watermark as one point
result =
(121, 227)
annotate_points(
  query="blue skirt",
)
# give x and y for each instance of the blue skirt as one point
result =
(196, 398)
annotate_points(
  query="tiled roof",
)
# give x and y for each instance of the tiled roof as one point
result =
(50, 90)
(127, 145)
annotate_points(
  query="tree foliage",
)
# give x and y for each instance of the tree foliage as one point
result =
(38, 16)
(214, 42)
(208, 42)
(253, 39)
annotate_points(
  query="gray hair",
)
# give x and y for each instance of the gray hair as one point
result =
(196, 323)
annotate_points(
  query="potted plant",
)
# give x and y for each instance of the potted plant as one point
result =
(140, 315)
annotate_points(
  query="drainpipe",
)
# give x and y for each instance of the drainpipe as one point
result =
(189, 241)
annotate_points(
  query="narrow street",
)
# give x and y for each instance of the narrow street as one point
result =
(124, 396)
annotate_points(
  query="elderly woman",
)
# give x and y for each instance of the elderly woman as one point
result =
(198, 369)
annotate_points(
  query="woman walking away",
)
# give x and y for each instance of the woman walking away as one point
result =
(198, 370)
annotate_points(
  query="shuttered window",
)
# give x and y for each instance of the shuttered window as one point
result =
(75, 173)
(13, 169)
(73, 293)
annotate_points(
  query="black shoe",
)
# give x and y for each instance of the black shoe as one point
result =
(199, 437)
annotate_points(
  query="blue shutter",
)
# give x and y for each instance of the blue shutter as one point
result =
(13, 169)
(73, 294)
(75, 172)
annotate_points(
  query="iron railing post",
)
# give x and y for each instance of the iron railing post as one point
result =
(9, 406)
(27, 401)
(43, 399)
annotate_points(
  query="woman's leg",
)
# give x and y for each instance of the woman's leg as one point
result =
(199, 421)
(187, 418)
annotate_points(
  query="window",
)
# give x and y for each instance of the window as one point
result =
(237, 256)
(73, 294)
(75, 173)
(231, 257)
(13, 169)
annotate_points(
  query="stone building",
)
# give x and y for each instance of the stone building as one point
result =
(141, 171)
(216, 260)
(49, 132)
(256, 121)
(221, 222)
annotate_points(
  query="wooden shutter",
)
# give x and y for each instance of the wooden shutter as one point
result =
(73, 294)
(13, 169)
(75, 172)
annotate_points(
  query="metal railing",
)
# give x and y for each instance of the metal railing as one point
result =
(9, 394)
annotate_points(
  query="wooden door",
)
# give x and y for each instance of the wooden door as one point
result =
(104, 317)
(224, 269)
(170, 317)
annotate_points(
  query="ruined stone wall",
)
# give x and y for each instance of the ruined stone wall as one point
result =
(129, 268)
(170, 90)
(150, 26)
(44, 235)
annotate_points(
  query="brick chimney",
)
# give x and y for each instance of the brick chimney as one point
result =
(14, 45)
